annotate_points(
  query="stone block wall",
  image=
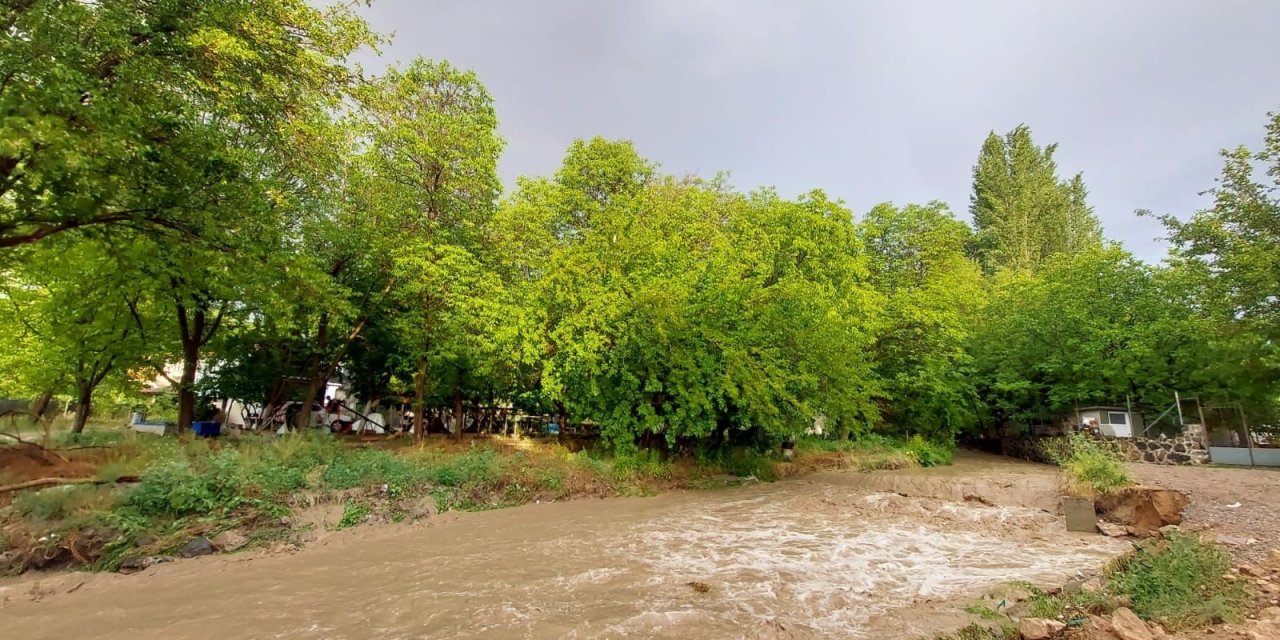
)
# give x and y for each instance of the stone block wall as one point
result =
(1179, 450)
(1047, 449)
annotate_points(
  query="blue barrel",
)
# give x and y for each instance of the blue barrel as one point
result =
(206, 428)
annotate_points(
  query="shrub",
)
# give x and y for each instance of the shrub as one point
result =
(930, 454)
(743, 462)
(550, 479)
(475, 467)
(353, 513)
(1181, 582)
(177, 488)
(68, 501)
(641, 463)
(1092, 470)
(369, 467)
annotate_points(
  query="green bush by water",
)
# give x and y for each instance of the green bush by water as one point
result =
(353, 513)
(929, 453)
(478, 466)
(884, 452)
(1092, 470)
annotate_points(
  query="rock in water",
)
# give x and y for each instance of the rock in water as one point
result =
(1113, 530)
(135, 564)
(229, 541)
(1038, 628)
(197, 547)
(1129, 626)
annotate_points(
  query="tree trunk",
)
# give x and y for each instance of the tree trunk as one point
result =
(194, 332)
(40, 405)
(563, 419)
(844, 431)
(457, 411)
(303, 421)
(84, 398)
(186, 388)
(419, 395)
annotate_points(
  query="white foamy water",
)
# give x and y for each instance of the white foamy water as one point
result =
(833, 569)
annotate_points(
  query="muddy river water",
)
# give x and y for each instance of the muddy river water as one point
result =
(838, 555)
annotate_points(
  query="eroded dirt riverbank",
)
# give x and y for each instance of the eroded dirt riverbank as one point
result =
(830, 555)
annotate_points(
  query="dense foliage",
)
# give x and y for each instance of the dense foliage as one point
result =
(218, 189)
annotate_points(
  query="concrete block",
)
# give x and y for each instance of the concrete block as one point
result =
(1080, 514)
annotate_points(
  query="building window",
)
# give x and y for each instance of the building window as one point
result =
(1117, 418)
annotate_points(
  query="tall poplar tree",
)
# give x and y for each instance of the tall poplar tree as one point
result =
(1022, 211)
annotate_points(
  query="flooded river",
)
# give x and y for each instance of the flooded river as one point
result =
(831, 555)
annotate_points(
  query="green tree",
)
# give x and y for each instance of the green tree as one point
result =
(432, 161)
(678, 310)
(1231, 252)
(192, 114)
(107, 108)
(1022, 212)
(72, 332)
(1095, 327)
(934, 295)
(537, 230)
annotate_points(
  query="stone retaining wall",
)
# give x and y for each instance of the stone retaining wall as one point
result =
(1046, 449)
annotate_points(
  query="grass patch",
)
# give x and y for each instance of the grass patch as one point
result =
(1180, 582)
(353, 513)
(977, 631)
(983, 611)
(1092, 470)
(873, 452)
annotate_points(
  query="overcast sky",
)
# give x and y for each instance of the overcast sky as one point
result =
(872, 101)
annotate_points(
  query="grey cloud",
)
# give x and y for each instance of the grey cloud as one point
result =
(872, 101)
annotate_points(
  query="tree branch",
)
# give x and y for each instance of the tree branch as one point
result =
(50, 482)
(44, 230)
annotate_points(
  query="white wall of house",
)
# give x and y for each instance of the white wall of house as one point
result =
(1113, 422)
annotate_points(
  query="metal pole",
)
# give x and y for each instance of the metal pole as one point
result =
(1128, 409)
(1177, 399)
(1248, 438)
(1204, 426)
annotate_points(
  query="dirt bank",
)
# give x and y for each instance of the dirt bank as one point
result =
(973, 477)
(1241, 506)
(827, 556)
